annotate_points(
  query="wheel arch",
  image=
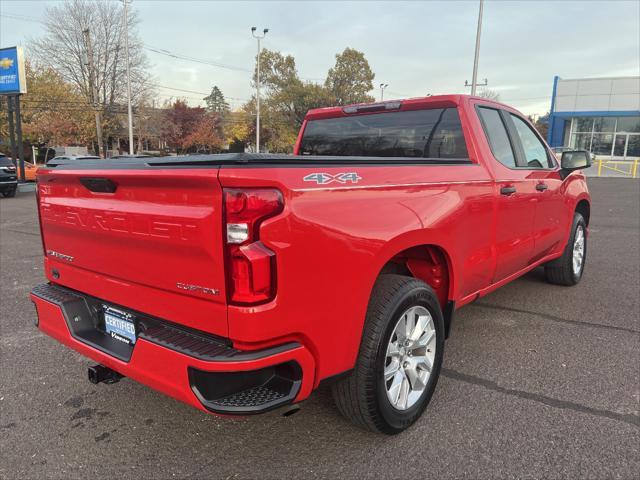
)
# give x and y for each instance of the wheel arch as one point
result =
(429, 262)
(583, 207)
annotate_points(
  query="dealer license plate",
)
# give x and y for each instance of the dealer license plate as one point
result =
(119, 325)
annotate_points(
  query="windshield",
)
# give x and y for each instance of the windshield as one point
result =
(434, 133)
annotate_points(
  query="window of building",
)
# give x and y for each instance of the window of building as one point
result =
(583, 124)
(602, 143)
(497, 134)
(606, 136)
(581, 141)
(604, 124)
(628, 124)
(633, 146)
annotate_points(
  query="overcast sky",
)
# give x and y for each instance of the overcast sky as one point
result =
(417, 47)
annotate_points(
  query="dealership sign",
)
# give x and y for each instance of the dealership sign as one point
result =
(13, 80)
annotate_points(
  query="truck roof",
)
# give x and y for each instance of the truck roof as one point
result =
(416, 103)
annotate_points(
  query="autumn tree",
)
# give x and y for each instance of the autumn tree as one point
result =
(180, 121)
(54, 112)
(287, 98)
(541, 123)
(351, 78)
(63, 48)
(238, 127)
(206, 135)
(192, 129)
(149, 124)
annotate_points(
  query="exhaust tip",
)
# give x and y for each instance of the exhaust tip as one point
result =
(291, 411)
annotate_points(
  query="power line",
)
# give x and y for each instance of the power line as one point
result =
(162, 51)
(20, 17)
(195, 91)
(153, 49)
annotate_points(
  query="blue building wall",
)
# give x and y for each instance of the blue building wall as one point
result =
(558, 120)
(556, 131)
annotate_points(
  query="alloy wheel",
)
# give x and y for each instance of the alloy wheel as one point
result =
(410, 357)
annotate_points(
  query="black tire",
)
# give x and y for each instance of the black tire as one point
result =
(9, 193)
(361, 397)
(560, 271)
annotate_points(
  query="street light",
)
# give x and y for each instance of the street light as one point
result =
(258, 38)
(474, 77)
(126, 54)
(382, 87)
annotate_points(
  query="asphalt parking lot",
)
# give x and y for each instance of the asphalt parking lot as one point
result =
(539, 381)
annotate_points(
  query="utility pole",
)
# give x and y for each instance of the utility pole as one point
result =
(474, 77)
(12, 131)
(484, 84)
(382, 87)
(93, 89)
(258, 37)
(21, 175)
(126, 54)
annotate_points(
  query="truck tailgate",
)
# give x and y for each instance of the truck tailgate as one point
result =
(148, 240)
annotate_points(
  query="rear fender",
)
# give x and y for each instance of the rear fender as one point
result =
(434, 266)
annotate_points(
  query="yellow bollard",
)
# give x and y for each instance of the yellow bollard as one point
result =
(635, 169)
(600, 167)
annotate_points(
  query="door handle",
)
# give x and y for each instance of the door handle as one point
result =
(541, 187)
(507, 190)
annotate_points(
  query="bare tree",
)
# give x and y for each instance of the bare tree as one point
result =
(64, 49)
(489, 94)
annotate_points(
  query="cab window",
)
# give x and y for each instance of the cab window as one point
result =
(496, 132)
(428, 133)
(535, 154)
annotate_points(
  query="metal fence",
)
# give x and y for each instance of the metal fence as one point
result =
(605, 167)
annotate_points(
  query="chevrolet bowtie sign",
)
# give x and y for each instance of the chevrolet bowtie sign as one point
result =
(12, 74)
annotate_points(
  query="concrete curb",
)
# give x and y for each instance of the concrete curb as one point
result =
(27, 187)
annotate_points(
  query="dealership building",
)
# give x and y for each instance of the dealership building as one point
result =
(601, 115)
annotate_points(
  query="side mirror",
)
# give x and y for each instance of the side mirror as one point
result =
(575, 159)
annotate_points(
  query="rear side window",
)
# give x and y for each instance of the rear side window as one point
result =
(496, 132)
(5, 162)
(435, 133)
(534, 152)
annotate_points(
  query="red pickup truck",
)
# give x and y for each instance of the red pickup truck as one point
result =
(239, 283)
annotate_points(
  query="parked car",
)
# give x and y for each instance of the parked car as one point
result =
(137, 155)
(8, 177)
(30, 171)
(239, 283)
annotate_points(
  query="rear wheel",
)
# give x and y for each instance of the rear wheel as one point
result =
(568, 269)
(399, 360)
(9, 193)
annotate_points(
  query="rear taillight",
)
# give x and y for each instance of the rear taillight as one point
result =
(251, 266)
(44, 248)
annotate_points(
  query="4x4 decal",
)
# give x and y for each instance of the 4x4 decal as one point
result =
(325, 178)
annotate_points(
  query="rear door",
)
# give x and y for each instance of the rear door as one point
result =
(516, 193)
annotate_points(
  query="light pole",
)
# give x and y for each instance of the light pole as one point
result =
(126, 54)
(258, 37)
(474, 77)
(382, 87)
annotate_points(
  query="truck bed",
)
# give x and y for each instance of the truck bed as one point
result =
(249, 159)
